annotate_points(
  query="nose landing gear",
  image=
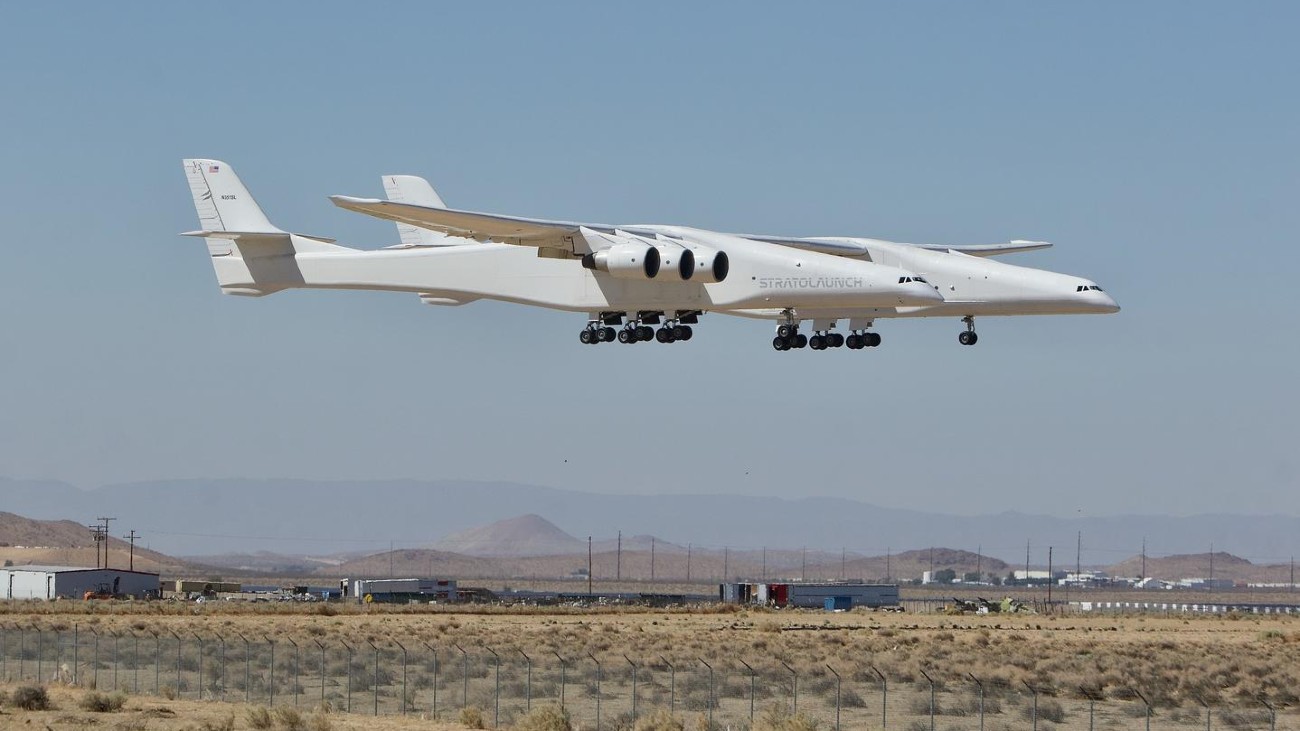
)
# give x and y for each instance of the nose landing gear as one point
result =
(969, 336)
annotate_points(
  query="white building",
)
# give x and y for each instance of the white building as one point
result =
(72, 582)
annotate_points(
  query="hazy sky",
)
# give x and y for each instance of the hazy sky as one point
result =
(1155, 143)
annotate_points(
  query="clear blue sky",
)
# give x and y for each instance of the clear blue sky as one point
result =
(1155, 143)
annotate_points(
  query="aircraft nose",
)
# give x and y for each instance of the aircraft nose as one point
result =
(1108, 304)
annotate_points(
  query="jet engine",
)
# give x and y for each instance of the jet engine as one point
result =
(625, 261)
(711, 265)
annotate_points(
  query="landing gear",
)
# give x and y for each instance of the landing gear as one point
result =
(969, 337)
(788, 335)
(858, 341)
(596, 333)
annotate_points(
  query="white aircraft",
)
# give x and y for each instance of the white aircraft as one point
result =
(634, 276)
(971, 284)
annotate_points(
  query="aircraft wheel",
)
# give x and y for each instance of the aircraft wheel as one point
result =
(800, 341)
(874, 339)
(626, 336)
(663, 335)
(837, 340)
(645, 332)
(679, 332)
(687, 332)
(974, 337)
(853, 342)
(784, 331)
(586, 336)
(816, 342)
(607, 334)
(966, 337)
(779, 343)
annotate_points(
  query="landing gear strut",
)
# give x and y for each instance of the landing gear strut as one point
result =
(788, 335)
(969, 336)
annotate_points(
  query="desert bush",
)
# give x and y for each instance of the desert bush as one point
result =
(258, 717)
(97, 702)
(1048, 710)
(168, 692)
(545, 718)
(472, 717)
(660, 720)
(777, 717)
(320, 722)
(289, 719)
(4, 698)
(225, 724)
(31, 698)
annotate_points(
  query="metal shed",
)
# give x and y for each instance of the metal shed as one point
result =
(72, 582)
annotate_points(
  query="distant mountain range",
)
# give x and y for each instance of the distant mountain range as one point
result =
(305, 517)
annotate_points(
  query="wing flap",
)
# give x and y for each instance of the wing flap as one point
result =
(1011, 247)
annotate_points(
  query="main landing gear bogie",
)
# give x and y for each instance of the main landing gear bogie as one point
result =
(635, 332)
(858, 341)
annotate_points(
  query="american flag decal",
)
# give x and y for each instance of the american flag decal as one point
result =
(213, 168)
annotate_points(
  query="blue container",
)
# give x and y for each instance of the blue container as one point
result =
(838, 602)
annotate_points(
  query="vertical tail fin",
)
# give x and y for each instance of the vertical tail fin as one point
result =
(222, 201)
(416, 191)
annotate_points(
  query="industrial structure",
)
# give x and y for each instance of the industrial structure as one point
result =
(400, 590)
(829, 595)
(75, 582)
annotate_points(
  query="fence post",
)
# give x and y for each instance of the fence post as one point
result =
(248, 670)
(563, 672)
(751, 690)
(435, 676)
(94, 662)
(1145, 702)
(40, 665)
(270, 683)
(200, 639)
(598, 674)
(76, 645)
(157, 662)
(224, 685)
(464, 676)
(135, 660)
(4, 654)
(1034, 711)
(1272, 715)
(672, 685)
(403, 647)
(884, 698)
(349, 706)
(528, 663)
(837, 696)
(117, 642)
(629, 662)
(178, 662)
(375, 688)
(979, 683)
(496, 693)
(930, 680)
(297, 687)
(710, 667)
(794, 689)
(322, 674)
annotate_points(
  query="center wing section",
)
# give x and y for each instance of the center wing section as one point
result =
(516, 230)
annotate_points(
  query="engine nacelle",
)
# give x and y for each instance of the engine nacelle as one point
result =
(626, 261)
(676, 261)
(711, 265)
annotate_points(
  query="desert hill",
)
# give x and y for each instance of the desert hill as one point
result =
(1197, 565)
(24, 541)
(525, 535)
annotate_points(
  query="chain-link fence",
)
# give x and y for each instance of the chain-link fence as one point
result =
(606, 692)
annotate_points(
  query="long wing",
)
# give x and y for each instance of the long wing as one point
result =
(479, 226)
(1011, 247)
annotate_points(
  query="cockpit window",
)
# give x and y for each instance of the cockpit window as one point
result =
(904, 280)
(1087, 288)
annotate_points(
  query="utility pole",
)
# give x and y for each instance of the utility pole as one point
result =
(131, 537)
(803, 572)
(618, 564)
(979, 563)
(764, 576)
(1293, 574)
(588, 565)
(726, 561)
(688, 563)
(94, 532)
(1143, 577)
(843, 556)
(888, 556)
(1078, 556)
(1050, 579)
(652, 558)
(931, 563)
(390, 560)
(1211, 587)
(1026, 562)
(105, 538)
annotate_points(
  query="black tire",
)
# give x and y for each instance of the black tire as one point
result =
(853, 342)
(645, 333)
(784, 331)
(625, 336)
(663, 335)
(837, 340)
(964, 337)
(779, 343)
(974, 337)
(679, 332)
(607, 334)
(585, 337)
(875, 340)
(687, 332)
(816, 342)
(800, 341)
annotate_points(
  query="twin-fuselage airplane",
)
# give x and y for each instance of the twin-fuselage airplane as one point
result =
(630, 277)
